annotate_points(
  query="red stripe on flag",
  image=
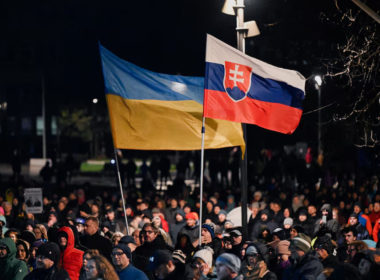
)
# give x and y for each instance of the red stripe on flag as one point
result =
(272, 116)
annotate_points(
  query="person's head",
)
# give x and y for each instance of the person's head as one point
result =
(150, 232)
(282, 250)
(22, 250)
(208, 233)
(227, 266)
(136, 236)
(47, 256)
(236, 237)
(288, 223)
(116, 238)
(323, 246)
(353, 219)
(110, 214)
(202, 261)
(357, 208)
(191, 219)
(173, 203)
(12, 234)
(91, 225)
(295, 231)
(79, 224)
(350, 234)
(301, 244)
(98, 267)
(161, 264)
(179, 216)
(302, 216)
(376, 207)
(7, 248)
(222, 216)
(264, 215)
(89, 254)
(121, 256)
(209, 206)
(40, 232)
(312, 210)
(129, 241)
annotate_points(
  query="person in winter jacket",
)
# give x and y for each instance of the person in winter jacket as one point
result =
(70, 257)
(47, 264)
(255, 261)
(305, 264)
(326, 222)
(192, 227)
(10, 267)
(364, 220)
(152, 241)
(177, 225)
(362, 233)
(265, 221)
(121, 258)
(93, 240)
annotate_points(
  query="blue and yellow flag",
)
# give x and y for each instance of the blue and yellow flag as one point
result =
(153, 111)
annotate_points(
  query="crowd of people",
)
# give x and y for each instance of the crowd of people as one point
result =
(315, 226)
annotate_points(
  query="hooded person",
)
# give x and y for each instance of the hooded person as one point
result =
(47, 265)
(326, 223)
(3, 225)
(265, 221)
(255, 263)
(70, 258)
(184, 244)
(10, 267)
(179, 223)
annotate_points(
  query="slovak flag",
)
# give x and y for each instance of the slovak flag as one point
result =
(243, 89)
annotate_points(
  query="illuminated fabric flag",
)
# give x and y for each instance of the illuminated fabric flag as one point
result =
(153, 111)
(243, 89)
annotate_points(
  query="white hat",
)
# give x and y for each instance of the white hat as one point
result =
(205, 255)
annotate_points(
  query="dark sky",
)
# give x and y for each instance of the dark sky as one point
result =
(59, 39)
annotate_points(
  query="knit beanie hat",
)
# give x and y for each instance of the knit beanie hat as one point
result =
(302, 242)
(205, 255)
(224, 212)
(324, 242)
(210, 228)
(179, 256)
(192, 215)
(50, 251)
(125, 249)
(283, 247)
(230, 260)
(288, 221)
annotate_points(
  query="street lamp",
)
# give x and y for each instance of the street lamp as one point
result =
(318, 85)
(243, 30)
(95, 100)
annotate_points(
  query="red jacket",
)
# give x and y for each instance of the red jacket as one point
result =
(375, 231)
(71, 259)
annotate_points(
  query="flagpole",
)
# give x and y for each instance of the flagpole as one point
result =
(121, 189)
(241, 32)
(201, 182)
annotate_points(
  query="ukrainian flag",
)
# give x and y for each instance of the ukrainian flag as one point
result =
(153, 111)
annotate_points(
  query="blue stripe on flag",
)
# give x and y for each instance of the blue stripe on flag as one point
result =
(262, 89)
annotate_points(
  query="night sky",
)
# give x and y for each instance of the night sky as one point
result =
(60, 39)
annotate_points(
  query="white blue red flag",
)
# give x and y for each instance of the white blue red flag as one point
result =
(244, 89)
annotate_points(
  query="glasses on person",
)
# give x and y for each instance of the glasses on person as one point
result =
(117, 254)
(3, 247)
(147, 231)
